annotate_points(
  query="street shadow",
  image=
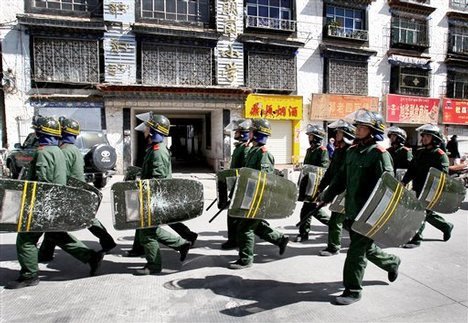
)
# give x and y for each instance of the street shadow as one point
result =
(262, 294)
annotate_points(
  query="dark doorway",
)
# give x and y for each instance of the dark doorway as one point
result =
(185, 142)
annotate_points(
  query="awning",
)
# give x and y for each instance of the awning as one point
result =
(409, 61)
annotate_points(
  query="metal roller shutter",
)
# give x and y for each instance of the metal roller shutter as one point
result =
(280, 142)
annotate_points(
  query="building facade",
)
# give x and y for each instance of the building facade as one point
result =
(205, 62)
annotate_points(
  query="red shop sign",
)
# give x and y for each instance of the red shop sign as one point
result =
(455, 111)
(412, 109)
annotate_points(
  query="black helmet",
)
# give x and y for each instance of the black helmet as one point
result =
(242, 125)
(348, 129)
(69, 126)
(316, 131)
(371, 119)
(432, 130)
(261, 126)
(46, 125)
(159, 123)
(397, 131)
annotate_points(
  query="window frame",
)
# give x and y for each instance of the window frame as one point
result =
(452, 83)
(95, 11)
(396, 81)
(421, 34)
(140, 5)
(277, 23)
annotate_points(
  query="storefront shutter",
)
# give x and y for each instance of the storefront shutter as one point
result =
(280, 142)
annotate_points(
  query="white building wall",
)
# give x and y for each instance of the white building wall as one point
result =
(15, 56)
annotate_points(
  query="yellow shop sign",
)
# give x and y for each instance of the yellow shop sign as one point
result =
(277, 107)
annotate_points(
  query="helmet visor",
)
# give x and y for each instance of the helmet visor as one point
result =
(144, 116)
(232, 126)
(246, 124)
(141, 127)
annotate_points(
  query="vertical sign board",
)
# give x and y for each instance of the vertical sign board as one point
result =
(119, 44)
(120, 57)
(229, 52)
(122, 11)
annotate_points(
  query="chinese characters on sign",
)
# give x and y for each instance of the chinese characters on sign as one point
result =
(455, 111)
(411, 109)
(279, 107)
(333, 107)
(230, 51)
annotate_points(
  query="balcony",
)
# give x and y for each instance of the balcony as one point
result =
(270, 23)
(459, 44)
(347, 33)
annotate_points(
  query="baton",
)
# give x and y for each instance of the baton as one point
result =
(212, 203)
(219, 212)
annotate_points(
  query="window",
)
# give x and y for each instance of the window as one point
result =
(178, 10)
(162, 64)
(459, 4)
(276, 71)
(458, 40)
(346, 77)
(345, 22)
(66, 60)
(70, 5)
(270, 14)
(457, 85)
(409, 31)
(409, 81)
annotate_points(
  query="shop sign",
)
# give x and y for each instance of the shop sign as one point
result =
(455, 111)
(412, 109)
(278, 107)
(333, 107)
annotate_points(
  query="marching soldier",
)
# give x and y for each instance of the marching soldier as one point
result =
(365, 163)
(70, 129)
(316, 155)
(430, 155)
(401, 155)
(260, 159)
(241, 134)
(344, 136)
(180, 228)
(157, 164)
(48, 165)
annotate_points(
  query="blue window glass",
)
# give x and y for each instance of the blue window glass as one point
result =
(274, 12)
(251, 11)
(263, 11)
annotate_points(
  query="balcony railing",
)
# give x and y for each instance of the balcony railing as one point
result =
(341, 32)
(461, 5)
(270, 23)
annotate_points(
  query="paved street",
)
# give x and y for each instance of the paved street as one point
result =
(297, 287)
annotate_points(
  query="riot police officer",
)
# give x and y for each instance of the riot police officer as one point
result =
(70, 129)
(241, 135)
(401, 155)
(365, 163)
(429, 155)
(260, 159)
(157, 164)
(48, 165)
(316, 155)
(344, 136)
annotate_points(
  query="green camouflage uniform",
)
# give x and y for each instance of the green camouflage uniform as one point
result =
(315, 156)
(157, 164)
(75, 168)
(417, 172)
(364, 165)
(48, 165)
(335, 224)
(257, 158)
(237, 161)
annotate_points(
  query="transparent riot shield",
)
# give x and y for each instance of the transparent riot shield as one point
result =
(441, 193)
(258, 195)
(392, 215)
(309, 180)
(338, 204)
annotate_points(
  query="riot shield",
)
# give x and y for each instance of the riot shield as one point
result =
(43, 207)
(338, 204)
(225, 182)
(309, 180)
(441, 193)
(392, 215)
(73, 182)
(149, 203)
(258, 195)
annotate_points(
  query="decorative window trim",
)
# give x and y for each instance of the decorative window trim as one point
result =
(161, 17)
(401, 74)
(351, 81)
